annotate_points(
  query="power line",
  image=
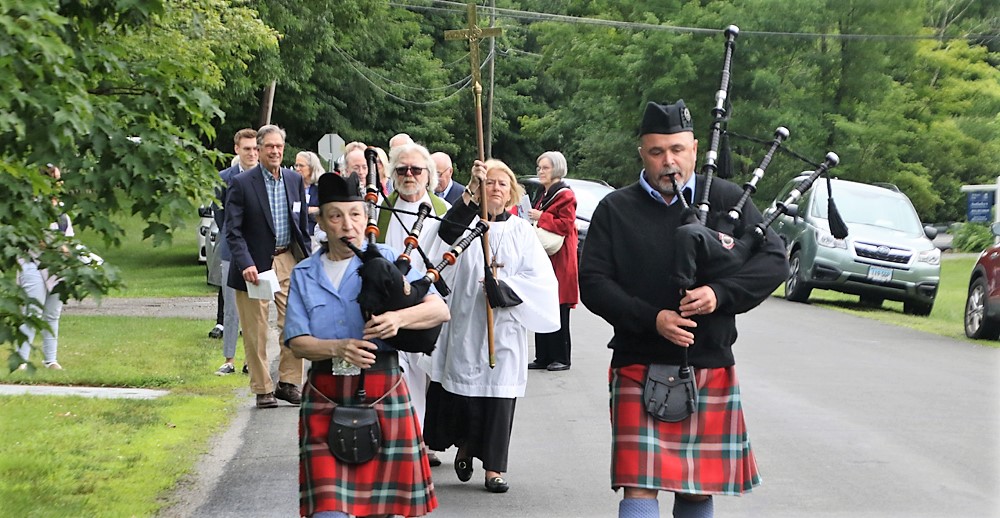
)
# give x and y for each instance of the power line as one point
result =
(363, 70)
(351, 59)
(459, 8)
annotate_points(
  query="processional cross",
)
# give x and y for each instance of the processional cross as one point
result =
(473, 34)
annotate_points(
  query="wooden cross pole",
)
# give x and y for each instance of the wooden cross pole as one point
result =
(473, 34)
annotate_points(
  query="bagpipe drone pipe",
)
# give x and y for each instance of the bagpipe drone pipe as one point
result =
(383, 283)
(710, 245)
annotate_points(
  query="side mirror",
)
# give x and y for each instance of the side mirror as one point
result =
(930, 232)
(995, 227)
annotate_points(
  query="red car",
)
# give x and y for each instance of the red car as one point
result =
(982, 307)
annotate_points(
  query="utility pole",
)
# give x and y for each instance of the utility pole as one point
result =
(266, 102)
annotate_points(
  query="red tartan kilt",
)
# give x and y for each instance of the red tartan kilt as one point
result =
(706, 454)
(396, 481)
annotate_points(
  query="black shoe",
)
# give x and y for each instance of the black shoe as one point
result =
(497, 485)
(557, 366)
(463, 468)
(216, 332)
(266, 400)
(536, 366)
(288, 392)
(245, 369)
(433, 459)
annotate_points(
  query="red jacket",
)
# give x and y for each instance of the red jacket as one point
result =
(559, 216)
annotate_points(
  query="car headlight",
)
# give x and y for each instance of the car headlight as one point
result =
(824, 238)
(932, 256)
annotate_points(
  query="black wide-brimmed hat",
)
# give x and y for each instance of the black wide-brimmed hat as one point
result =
(666, 118)
(333, 187)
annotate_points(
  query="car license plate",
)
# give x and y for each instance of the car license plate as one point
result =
(879, 274)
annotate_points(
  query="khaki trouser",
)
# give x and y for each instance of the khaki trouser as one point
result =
(253, 318)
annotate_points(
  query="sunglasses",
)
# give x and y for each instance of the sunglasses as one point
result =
(407, 170)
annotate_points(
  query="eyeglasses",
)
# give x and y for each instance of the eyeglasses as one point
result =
(298, 166)
(407, 170)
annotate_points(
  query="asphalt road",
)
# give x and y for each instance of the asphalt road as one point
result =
(848, 418)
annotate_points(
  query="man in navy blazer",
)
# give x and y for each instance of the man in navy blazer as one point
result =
(266, 229)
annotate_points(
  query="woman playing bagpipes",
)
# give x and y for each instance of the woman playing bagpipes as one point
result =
(324, 324)
(626, 277)
(469, 403)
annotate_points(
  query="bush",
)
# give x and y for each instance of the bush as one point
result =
(972, 237)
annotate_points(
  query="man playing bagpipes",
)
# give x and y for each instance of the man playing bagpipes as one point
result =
(341, 471)
(626, 278)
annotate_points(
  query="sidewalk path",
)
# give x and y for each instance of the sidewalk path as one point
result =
(96, 392)
(181, 307)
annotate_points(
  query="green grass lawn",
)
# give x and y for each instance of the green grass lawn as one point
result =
(163, 271)
(75, 456)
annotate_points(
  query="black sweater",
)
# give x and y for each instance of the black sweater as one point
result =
(625, 277)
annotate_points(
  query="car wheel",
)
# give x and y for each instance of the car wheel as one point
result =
(870, 301)
(796, 289)
(977, 322)
(920, 309)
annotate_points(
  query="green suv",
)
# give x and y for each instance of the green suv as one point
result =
(888, 253)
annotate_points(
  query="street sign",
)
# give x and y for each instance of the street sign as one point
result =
(331, 146)
(979, 207)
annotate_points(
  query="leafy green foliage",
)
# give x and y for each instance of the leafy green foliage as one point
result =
(972, 237)
(119, 94)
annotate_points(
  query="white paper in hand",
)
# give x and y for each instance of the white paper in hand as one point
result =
(524, 207)
(267, 284)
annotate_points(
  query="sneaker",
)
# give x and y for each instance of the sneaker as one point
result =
(216, 332)
(288, 392)
(54, 366)
(245, 369)
(22, 367)
(227, 368)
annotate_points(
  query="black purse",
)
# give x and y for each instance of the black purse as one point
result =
(670, 392)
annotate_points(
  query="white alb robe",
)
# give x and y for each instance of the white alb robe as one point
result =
(461, 360)
(414, 364)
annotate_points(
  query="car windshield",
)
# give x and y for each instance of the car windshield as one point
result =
(869, 206)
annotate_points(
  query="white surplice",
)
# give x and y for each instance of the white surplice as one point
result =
(460, 362)
(415, 364)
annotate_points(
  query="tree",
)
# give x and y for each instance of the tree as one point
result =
(119, 93)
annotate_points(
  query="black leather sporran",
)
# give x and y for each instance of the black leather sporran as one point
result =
(670, 393)
(355, 435)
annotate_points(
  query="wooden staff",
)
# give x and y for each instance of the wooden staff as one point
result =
(473, 34)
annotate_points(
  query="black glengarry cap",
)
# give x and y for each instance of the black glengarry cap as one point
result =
(666, 119)
(336, 188)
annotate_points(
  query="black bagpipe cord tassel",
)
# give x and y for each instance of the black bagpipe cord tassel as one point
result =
(837, 226)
